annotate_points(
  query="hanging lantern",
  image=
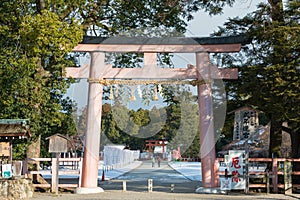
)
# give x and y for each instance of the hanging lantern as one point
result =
(155, 97)
(132, 98)
(111, 93)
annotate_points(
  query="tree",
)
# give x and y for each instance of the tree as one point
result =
(269, 67)
(32, 86)
(37, 35)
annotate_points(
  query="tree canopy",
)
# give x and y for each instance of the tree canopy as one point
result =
(37, 36)
(269, 74)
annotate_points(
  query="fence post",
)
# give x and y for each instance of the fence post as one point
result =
(54, 178)
(268, 182)
(124, 185)
(150, 185)
(25, 168)
(216, 170)
(288, 177)
(275, 175)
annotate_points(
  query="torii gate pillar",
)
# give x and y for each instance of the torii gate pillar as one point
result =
(93, 128)
(207, 134)
(203, 71)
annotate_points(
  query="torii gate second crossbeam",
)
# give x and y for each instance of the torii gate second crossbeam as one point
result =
(98, 71)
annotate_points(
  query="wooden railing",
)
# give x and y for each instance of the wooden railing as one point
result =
(72, 163)
(274, 174)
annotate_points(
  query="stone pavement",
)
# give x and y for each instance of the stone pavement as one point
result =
(163, 176)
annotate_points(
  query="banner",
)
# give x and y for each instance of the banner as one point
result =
(236, 169)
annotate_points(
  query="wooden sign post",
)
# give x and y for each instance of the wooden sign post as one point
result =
(57, 144)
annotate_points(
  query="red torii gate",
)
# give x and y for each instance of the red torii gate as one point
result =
(155, 143)
(99, 72)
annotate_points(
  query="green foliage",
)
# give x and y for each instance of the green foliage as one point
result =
(177, 123)
(269, 67)
(37, 35)
(32, 61)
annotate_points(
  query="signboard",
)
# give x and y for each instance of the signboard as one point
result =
(6, 171)
(58, 143)
(245, 123)
(236, 169)
(4, 149)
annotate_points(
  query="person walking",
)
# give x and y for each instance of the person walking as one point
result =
(153, 161)
(158, 161)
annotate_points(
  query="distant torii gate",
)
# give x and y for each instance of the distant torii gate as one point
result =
(155, 143)
(98, 72)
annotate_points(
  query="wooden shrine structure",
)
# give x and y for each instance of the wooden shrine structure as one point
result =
(11, 129)
(100, 74)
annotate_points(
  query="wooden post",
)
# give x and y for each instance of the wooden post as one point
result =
(10, 152)
(268, 182)
(54, 178)
(288, 187)
(150, 185)
(124, 185)
(275, 175)
(217, 179)
(25, 168)
(246, 166)
(172, 187)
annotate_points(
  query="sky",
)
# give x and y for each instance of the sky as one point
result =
(201, 26)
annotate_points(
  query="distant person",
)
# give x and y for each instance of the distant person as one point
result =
(153, 161)
(158, 161)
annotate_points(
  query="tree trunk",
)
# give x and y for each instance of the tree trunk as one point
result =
(275, 137)
(295, 144)
(33, 151)
(295, 138)
(277, 10)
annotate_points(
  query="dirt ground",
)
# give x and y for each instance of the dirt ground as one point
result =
(120, 195)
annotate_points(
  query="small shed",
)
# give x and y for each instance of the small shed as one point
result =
(12, 129)
(59, 143)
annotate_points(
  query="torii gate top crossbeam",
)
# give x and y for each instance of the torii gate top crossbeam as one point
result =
(150, 46)
(166, 44)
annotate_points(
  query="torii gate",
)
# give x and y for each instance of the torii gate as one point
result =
(98, 72)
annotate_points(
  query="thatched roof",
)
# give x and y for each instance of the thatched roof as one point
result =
(14, 128)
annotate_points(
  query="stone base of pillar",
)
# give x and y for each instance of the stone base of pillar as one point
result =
(203, 190)
(82, 190)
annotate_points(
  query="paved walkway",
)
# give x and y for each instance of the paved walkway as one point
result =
(162, 178)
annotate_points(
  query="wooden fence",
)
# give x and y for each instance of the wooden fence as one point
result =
(272, 178)
(71, 166)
